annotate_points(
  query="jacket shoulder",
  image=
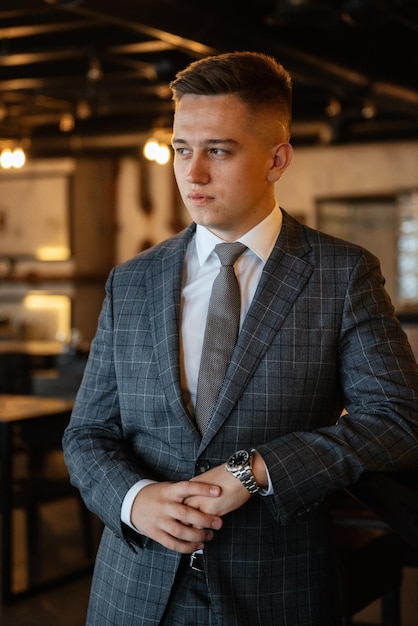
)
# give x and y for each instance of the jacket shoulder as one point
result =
(319, 241)
(163, 250)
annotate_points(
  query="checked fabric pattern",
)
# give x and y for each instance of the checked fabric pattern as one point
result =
(221, 332)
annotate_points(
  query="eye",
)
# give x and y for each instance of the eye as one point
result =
(181, 151)
(218, 152)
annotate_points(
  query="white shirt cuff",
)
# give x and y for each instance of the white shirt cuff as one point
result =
(125, 514)
(268, 491)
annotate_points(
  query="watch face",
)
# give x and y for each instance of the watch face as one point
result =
(239, 459)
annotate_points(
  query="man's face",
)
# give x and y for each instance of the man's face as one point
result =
(225, 164)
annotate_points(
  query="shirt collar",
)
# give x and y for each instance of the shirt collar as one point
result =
(260, 239)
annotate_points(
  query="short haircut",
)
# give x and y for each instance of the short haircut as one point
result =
(260, 81)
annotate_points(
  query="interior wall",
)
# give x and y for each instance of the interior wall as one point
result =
(314, 173)
(319, 172)
(119, 207)
(145, 200)
(148, 210)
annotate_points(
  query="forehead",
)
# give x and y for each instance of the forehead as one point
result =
(223, 113)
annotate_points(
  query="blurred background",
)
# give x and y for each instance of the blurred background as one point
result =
(86, 182)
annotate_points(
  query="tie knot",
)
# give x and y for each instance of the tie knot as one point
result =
(228, 253)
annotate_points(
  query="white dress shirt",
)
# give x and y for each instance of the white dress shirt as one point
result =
(201, 267)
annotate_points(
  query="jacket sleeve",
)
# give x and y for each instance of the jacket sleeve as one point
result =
(378, 430)
(99, 458)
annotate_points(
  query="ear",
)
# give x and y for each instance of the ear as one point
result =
(282, 156)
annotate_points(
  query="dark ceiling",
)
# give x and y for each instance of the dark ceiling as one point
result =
(108, 63)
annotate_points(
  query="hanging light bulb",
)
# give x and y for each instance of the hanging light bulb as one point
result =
(18, 158)
(163, 154)
(3, 111)
(66, 122)
(6, 158)
(94, 72)
(83, 110)
(369, 110)
(15, 158)
(151, 149)
(333, 107)
(156, 147)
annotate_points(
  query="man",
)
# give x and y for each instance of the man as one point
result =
(186, 540)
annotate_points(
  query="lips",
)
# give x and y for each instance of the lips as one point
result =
(199, 198)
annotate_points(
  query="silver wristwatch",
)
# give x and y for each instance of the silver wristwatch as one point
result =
(240, 465)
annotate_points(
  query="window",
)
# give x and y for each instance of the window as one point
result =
(387, 225)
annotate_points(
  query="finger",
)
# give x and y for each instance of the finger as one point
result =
(192, 516)
(189, 534)
(185, 539)
(189, 488)
(172, 543)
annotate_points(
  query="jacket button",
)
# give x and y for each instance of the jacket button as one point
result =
(201, 466)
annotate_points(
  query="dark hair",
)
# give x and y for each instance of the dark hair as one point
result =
(256, 78)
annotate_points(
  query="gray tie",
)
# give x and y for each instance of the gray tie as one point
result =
(221, 332)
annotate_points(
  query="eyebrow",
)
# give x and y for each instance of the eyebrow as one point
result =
(208, 142)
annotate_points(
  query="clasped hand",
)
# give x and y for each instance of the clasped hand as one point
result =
(183, 516)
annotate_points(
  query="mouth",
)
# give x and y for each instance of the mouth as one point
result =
(198, 198)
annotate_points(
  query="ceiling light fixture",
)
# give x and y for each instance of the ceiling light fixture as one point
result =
(333, 107)
(369, 110)
(3, 111)
(94, 72)
(67, 122)
(83, 110)
(157, 151)
(12, 158)
(157, 148)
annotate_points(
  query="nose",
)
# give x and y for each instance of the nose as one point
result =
(198, 172)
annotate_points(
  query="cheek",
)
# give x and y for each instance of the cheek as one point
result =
(178, 175)
(176, 168)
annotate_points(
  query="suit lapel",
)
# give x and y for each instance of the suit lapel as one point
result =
(164, 282)
(284, 277)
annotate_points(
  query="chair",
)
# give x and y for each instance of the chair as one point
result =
(40, 478)
(370, 560)
(64, 379)
(393, 497)
(15, 373)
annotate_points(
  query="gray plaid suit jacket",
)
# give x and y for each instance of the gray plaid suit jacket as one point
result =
(320, 335)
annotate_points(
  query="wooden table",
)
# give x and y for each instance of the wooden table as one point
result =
(31, 347)
(393, 497)
(44, 415)
(19, 359)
